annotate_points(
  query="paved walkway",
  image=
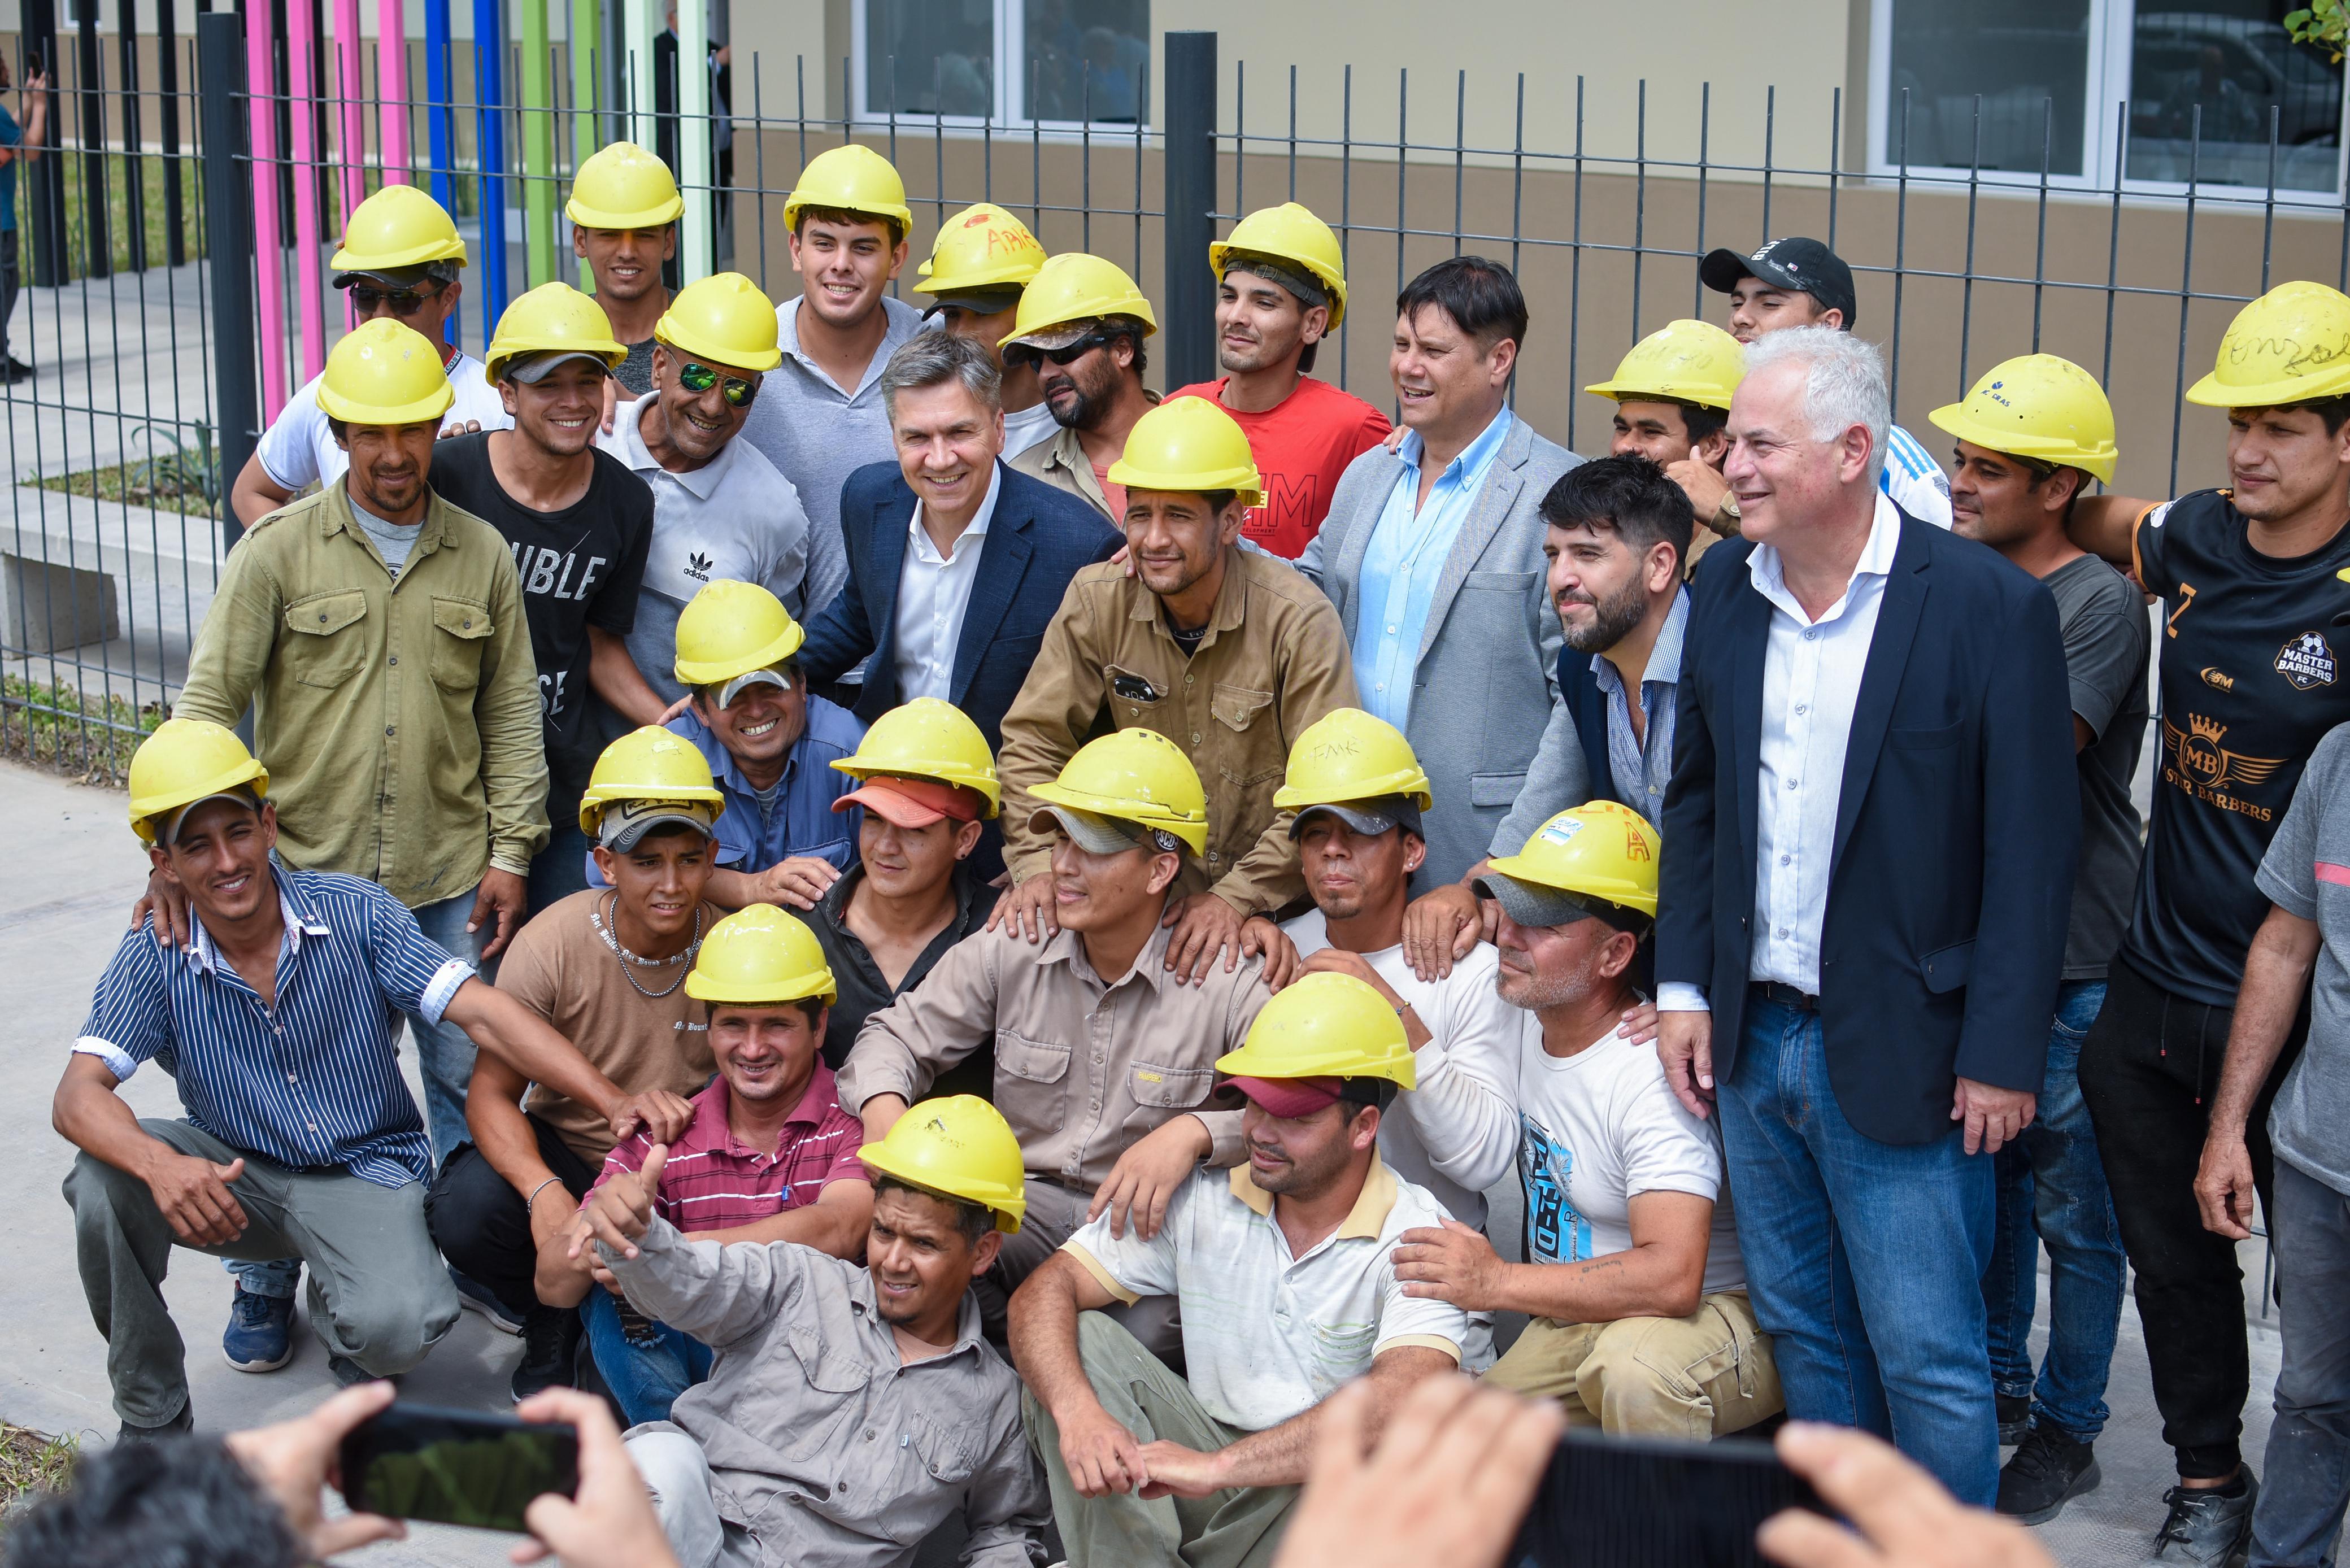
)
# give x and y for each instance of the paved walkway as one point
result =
(58, 925)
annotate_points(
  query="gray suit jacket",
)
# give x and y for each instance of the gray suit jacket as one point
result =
(1486, 679)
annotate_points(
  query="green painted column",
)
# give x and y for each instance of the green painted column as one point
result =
(538, 171)
(589, 72)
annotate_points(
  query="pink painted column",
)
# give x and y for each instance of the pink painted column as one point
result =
(392, 88)
(269, 254)
(304, 93)
(351, 155)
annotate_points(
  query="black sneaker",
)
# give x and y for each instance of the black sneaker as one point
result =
(2049, 1469)
(2208, 1526)
(2014, 1417)
(550, 1342)
(178, 1425)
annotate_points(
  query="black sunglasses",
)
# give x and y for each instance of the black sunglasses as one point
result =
(1020, 356)
(699, 379)
(404, 301)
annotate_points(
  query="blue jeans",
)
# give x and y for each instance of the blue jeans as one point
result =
(1863, 1260)
(445, 1055)
(2306, 1478)
(646, 1371)
(2052, 1189)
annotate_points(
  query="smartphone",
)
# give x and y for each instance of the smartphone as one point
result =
(456, 1466)
(1645, 1503)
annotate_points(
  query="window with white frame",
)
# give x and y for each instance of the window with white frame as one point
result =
(2008, 85)
(1011, 62)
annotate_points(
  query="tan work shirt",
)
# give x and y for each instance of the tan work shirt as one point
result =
(1273, 660)
(1084, 1067)
(398, 721)
(1060, 461)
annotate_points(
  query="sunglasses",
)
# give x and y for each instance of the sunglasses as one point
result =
(403, 302)
(1020, 356)
(699, 379)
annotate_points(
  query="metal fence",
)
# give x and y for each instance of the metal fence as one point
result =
(155, 374)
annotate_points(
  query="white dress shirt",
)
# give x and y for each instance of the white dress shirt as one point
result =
(1811, 682)
(933, 592)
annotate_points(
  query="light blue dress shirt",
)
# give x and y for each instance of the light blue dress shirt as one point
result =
(1402, 562)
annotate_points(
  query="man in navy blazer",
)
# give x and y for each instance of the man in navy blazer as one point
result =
(1867, 869)
(956, 562)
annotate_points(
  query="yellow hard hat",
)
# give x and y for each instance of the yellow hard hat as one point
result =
(760, 956)
(731, 629)
(1598, 850)
(2292, 345)
(851, 179)
(552, 319)
(722, 317)
(186, 760)
(649, 765)
(399, 226)
(1073, 286)
(959, 1147)
(1684, 361)
(1190, 443)
(982, 246)
(622, 186)
(1138, 776)
(1290, 232)
(1349, 754)
(1325, 1026)
(384, 373)
(2040, 407)
(928, 738)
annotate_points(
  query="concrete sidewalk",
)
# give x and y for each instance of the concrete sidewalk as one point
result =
(60, 922)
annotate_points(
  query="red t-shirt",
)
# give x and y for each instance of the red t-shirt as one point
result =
(1302, 445)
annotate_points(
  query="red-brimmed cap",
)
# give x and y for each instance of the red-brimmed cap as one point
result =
(914, 803)
(1290, 1098)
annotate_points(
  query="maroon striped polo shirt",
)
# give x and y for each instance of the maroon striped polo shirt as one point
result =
(714, 1181)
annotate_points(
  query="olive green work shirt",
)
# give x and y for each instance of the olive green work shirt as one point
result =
(1273, 660)
(398, 721)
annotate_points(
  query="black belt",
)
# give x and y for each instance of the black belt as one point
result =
(1784, 995)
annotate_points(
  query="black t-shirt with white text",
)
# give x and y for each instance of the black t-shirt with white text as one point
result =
(2252, 652)
(580, 566)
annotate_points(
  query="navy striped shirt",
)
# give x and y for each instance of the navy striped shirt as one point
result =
(314, 1082)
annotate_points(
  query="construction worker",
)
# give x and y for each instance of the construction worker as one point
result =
(1229, 653)
(824, 421)
(2252, 590)
(624, 209)
(720, 509)
(1281, 290)
(768, 1157)
(1103, 1062)
(578, 524)
(783, 838)
(1672, 394)
(2031, 435)
(398, 262)
(1079, 331)
(1284, 1268)
(605, 968)
(817, 1350)
(983, 259)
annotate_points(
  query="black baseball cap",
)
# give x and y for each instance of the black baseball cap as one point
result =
(1805, 265)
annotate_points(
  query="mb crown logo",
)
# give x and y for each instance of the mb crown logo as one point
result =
(2306, 661)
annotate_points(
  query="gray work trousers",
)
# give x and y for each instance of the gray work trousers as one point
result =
(1237, 1528)
(677, 1472)
(379, 1295)
(1055, 1214)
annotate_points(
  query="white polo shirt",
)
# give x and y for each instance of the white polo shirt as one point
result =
(934, 593)
(1267, 1336)
(298, 451)
(735, 517)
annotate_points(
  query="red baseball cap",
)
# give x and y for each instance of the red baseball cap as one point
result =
(913, 802)
(1290, 1098)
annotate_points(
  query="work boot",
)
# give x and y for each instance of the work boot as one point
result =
(2049, 1469)
(2014, 1417)
(260, 1334)
(550, 1344)
(476, 1297)
(2213, 1525)
(179, 1426)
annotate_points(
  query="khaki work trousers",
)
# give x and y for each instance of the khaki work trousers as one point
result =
(1697, 1377)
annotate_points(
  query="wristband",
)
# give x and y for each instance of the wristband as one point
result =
(533, 1198)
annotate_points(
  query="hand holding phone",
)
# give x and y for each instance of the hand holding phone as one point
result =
(457, 1467)
(294, 1462)
(612, 1524)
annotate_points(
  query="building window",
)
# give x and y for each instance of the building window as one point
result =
(1011, 62)
(2051, 74)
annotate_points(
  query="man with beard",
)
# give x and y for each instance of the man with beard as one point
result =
(1281, 292)
(1617, 529)
(1080, 329)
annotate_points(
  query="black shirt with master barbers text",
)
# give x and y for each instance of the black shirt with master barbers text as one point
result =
(2252, 651)
(580, 566)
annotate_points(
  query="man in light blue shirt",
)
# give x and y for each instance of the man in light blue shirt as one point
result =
(1432, 554)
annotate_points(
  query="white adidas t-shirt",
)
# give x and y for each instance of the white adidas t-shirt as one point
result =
(298, 451)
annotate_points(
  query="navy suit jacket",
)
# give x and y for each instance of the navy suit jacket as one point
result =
(1956, 827)
(1578, 688)
(1039, 538)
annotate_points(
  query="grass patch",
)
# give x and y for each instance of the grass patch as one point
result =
(31, 1464)
(185, 479)
(73, 168)
(89, 737)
